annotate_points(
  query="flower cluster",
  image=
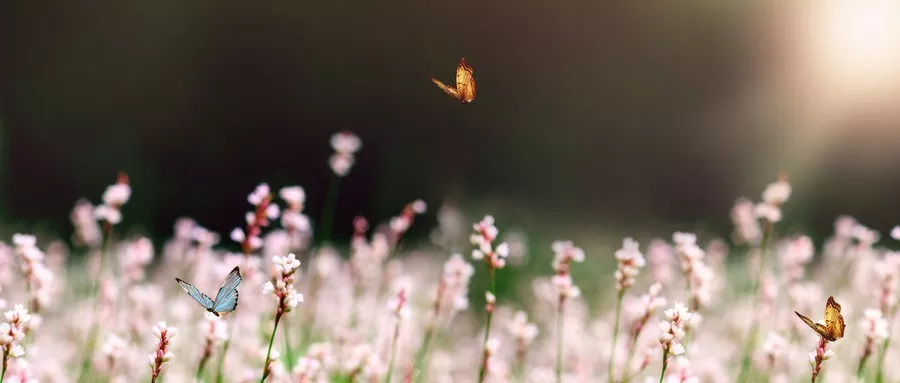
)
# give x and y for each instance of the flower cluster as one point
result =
(772, 348)
(672, 330)
(401, 223)
(292, 219)
(164, 335)
(265, 210)
(794, 254)
(12, 332)
(875, 328)
(820, 355)
(345, 146)
(648, 305)
(282, 283)
(773, 197)
(38, 277)
(746, 223)
(136, 256)
(114, 198)
(696, 271)
(564, 253)
(630, 262)
(87, 230)
(523, 332)
(453, 288)
(483, 238)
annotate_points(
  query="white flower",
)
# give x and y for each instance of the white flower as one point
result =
(768, 212)
(117, 194)
(345, 142)
(295, 196)
(777, 193)
(895, 233)
(237, 235)
(259, 194)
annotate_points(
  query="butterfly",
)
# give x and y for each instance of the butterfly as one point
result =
(226, 299)
(465, 83)
(834, 322)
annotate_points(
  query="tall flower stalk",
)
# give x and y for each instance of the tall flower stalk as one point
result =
(345, 145)
(564, 254)
(282, 286)
(399, 310)
(630, 261)
(820, 355)
(164, 335)
(672, 333)
(650, 303)
(494, 258)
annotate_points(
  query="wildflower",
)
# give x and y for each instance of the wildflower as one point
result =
(164, 334)
(523, 332)
(38, 278)
(483, 238)
(401, 223)
(683, 372)
(772, 348)
(12, 332)
(114, 198)
(630, 262)
(265, 210)
(216, 332)
(111, 352)
(282, 286)
(875, 328)
(820, 355)
(660, 256)
(746, 226)
(672, 332)
(87, 231)
(345, 145)
(136, 256)
(794, 255)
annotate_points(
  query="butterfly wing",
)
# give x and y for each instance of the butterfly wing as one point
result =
(227, 297)
(834, 321)
(465, 82)
(201, 298)
(450, 91)
(821, 330)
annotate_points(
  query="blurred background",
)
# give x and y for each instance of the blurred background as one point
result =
(615, 116)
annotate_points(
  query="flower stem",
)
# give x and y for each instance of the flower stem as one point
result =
(615, 336)
(288, 352)
(487, 331)
(265, 373)
(879, 375)
(665, 363)
(328, 213)
(387, 377)
(5, 362)
(559, 339)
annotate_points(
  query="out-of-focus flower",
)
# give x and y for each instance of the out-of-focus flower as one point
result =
(746, 225)
(483, 239)
(164, 335)
(345, 146)
(114, 198)
(630, 261)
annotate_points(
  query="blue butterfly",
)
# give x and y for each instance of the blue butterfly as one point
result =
(226, 298)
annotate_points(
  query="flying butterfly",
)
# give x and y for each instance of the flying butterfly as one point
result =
(833, 329)
(226, 299)
(464, 91)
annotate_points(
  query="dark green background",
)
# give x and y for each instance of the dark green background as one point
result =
(588, 112)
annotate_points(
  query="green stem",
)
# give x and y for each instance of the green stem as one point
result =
(879, 375)
(665, 363)
(92, 332)
(5, 362)
(487, 331)
(387, 378)
(861, 366)
(423, 351)
(615, 336)
(269, 351)
(751, 337)
(328, 213)
(559, 339)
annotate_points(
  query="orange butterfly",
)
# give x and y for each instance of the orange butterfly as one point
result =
(465, 84)
(834, 322)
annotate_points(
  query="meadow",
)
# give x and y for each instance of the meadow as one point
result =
(473, 303)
